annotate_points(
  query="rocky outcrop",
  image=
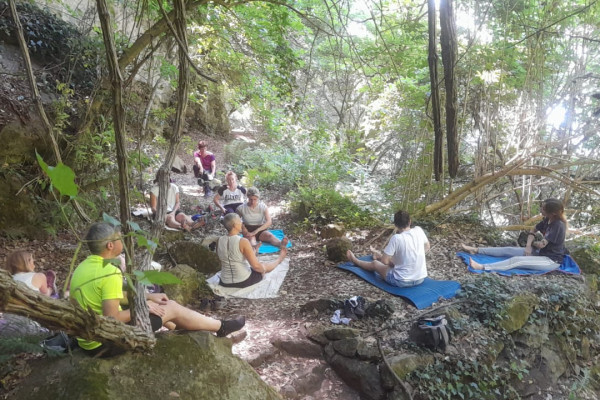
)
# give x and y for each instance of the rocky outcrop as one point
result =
(195, 365)
(196, 256)
(337, 248)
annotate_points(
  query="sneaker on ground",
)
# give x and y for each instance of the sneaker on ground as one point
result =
(349, 310)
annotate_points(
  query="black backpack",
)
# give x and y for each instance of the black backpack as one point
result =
(432, 333)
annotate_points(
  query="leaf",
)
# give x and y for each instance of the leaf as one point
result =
(142, 241)
(111, 220)
(61, 176)
(134, 226)
(156, 277)
(130, 284)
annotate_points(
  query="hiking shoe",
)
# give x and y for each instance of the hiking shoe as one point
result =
(359, 310)
(349, 310)
(230, 326)
(205, 305)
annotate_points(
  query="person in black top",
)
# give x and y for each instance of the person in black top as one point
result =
(544, 255)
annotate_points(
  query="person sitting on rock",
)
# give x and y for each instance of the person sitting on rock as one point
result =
(97, 284)
(239, 266)
(256, 220)
(231, 193)
(21, 266)
(205, 167)
(402, 262)
(175, 218)
(545, 255)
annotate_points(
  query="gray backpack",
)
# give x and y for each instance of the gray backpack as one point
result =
(432, 333)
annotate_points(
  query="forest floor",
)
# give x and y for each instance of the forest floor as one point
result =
(311, 276)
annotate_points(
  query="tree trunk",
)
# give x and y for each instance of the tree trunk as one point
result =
(139, 309)
(449, 52)
(69, 317)
(438, 157)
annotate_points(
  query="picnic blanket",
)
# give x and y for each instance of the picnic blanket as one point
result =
(568, 266)
(267, 288)
(267, 248)
(421, 296)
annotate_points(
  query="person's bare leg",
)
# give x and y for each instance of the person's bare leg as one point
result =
(171, 222)
(187, 319)
(474, 264)
(374, 265)
(469, 249)
(268, 237)
(284, 242)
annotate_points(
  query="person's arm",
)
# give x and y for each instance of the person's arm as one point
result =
(217, 202)
(386, 259)
(213, 167)
(177, 203)
(153, 202)
(248, 252)
(198, 161)
(110, 308)
(39, 281)
(530, 238)
(427, 247)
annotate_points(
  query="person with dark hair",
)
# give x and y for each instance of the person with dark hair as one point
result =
(98, 285)
(205, 167)
(402, 262)
(544, 255)
(256, 220)
(231, 193)
(239, 266)
(175, 218)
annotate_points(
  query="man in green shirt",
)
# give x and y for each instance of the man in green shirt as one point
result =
(97, 284)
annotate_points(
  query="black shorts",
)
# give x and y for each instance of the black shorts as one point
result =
(252, 228)
(254, 278)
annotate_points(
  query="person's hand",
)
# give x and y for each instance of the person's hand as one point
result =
(210, 176)
(528, 250)
(155, 309)
(158, 298)
(250, 234)
(123, 264)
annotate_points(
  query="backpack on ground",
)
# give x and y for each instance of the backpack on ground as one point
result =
(432, 333)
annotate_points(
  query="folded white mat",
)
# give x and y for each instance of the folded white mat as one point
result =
(267, 288)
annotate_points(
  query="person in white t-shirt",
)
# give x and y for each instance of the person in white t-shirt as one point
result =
(175, 218)
(402, 262)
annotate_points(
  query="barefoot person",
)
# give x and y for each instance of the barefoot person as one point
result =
(239, 266)
(205, 167)
(402, 262)
(21, 266)
(545, 255)
(231, 193)
(97, 284)
(175, 218)
(256, 220)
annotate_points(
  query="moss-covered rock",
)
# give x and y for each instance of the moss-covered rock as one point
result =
(196, 256)
(404, 364)
(341, 333)
(337, 248)
(587, 260)
(517, 311)
(533, 335)
(195, 365)
(188, 290)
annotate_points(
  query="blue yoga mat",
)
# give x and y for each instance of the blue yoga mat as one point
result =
(568, 266)
(421, 296)
(267, 248)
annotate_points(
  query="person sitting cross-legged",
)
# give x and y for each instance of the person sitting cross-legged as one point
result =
(239, 266)
(402, 263)
(205, 167)
(175, 218)
(231, 194)
(99, 287)
(256, 220)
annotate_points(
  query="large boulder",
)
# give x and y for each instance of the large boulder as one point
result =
(195, 365)
(196, 256)
(587, 260)
(337, 248)
(517, 311)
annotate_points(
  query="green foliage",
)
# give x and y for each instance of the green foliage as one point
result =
(326, 205)
(453, 379)
(490, 293)
(61, 177)
(10, 347)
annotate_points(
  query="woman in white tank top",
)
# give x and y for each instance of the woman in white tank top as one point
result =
(21, 266)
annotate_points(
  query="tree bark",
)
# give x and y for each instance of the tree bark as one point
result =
(69, 317)
(139, 309)
(438, 157)
(449, 54)
(37, 99)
